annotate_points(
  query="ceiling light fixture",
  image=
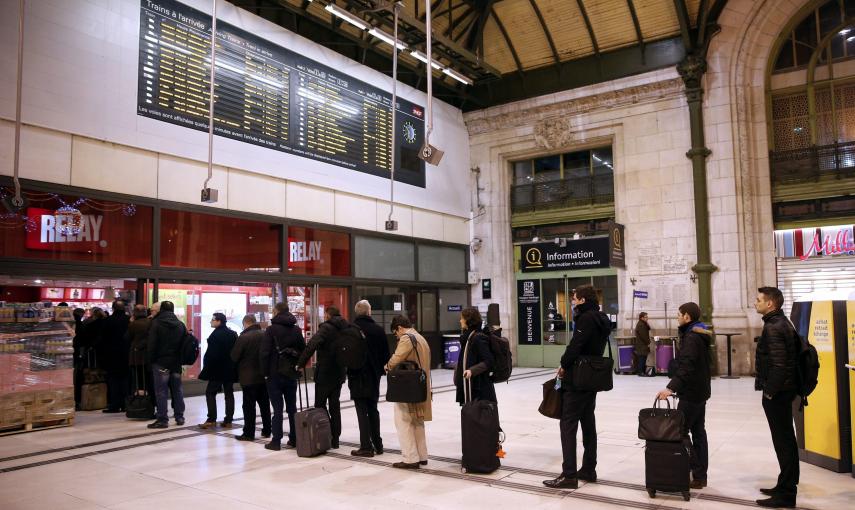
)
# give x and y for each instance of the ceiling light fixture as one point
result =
(347, 16)
(457, 76)
(386, 38)
(423, 58)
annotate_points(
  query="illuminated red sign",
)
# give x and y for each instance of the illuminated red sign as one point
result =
(53, 231)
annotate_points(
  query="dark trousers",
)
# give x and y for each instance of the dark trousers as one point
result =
(78, 384)
(211, 391)
(283, 389)
(578, 407)
(329, 398)
(255, 394)
(694, 414)
(640, 362)
(369, 423)
(164, 383)
(117, 390)
(779, 414)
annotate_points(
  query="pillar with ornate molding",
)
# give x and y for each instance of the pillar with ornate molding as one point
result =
(692, 70)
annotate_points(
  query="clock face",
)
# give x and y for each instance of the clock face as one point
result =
(409, 132)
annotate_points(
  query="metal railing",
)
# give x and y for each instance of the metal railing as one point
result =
(813, 163)
(563, 193)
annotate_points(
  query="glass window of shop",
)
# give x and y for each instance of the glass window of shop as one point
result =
(384, 258)
(197, 240)
(196, 303)
(442, 264)
(557, 304)
(318, 252)
(76, 229)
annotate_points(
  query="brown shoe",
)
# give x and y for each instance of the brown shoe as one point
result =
(362, 452)
(404, 465)
(208, 425)
(698, 484)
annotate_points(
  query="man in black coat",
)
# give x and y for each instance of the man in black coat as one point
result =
(691, 383)
(777, 378)
(219, 370)
(283, 342)
(164, 356)
(247, 355)
(591, 329)
(329, 375)
(115, 348)
(364, 383)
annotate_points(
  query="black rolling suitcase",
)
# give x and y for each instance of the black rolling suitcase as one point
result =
(480, 432)
(314, 433)
(666, 468)
(139, 406)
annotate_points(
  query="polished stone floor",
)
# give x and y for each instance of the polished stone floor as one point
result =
(106, 461)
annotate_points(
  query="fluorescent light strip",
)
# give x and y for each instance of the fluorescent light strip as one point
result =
(423, 58)
(386, 38)
(457, 76)
(346, 16)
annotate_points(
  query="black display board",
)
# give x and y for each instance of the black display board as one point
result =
(270, 96)
(586, 253)
(528, 312)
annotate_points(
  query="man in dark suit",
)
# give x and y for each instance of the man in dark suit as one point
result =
(364, 383)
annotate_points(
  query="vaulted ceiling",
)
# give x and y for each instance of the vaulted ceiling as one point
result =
(510, 49)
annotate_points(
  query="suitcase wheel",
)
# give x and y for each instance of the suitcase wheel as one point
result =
(686, 496)
(651, 493)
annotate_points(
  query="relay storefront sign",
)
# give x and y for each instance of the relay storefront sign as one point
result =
(807, 243)
(590, 253)
(52, 229)
(318, 252)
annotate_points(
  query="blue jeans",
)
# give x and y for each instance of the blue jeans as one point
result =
(164, 381)
(281, 388)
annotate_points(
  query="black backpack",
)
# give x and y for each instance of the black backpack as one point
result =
(807, 367)
(351, 349)
(503, 363)
(189, 348)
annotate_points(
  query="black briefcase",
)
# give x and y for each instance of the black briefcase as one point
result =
(593, 373)
(660, 424)
(406, 383)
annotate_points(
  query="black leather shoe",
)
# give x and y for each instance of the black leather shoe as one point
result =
(290, 446)
(378, 451)
(423, 463)
(587, 476)
(777, 502)
(769, 492)
(158, 425)
(111, 411)
(273, 446)
(244, 438)
(265, 434)
(334, 445)
(179, 421)
(362, 452)
(404, 465)
(562, 482)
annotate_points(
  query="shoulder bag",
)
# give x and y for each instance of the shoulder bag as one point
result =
(407, 382)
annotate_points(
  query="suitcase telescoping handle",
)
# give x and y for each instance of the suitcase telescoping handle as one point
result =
(467, 383)
(305, 378)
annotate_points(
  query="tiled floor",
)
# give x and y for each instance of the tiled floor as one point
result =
(106, 461)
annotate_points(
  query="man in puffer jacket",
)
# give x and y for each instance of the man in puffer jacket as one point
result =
(591, 329)
(283, 342)
(691, 382)
(775, 364)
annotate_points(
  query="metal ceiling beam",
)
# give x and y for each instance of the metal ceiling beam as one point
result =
(507, 40)
(589, 26)
(433, 7)
(411, 74)
(453, 47)
(545, 31)
(685, 23)
(445, 11)
(467, 29)
(475, 41)
(636, 24)
(454, 24)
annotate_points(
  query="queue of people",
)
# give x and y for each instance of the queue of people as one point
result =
(269, 363)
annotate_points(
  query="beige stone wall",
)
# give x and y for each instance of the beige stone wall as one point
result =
(647, 121)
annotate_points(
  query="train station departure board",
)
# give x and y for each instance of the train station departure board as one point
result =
(269, 96)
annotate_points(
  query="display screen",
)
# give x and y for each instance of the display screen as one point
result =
(269, 96)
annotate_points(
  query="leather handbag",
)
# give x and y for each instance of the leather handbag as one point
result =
(593, 373)
(407, 382)
(550, 406)
(661, 424)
